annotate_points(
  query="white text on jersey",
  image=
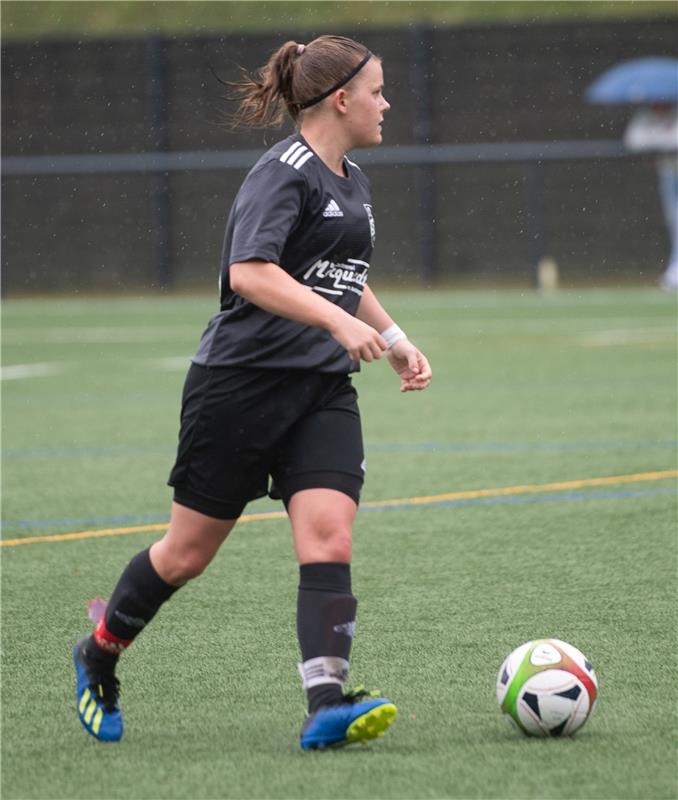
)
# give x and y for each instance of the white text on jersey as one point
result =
(351, 276)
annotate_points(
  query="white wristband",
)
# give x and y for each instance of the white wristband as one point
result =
(392, 335)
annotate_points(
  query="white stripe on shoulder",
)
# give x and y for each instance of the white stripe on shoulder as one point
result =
(285, 156)
(294, 158)
(300, 163)
(352, 163)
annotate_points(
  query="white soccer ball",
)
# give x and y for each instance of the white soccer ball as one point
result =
(547, 688)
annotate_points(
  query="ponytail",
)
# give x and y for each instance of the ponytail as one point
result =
(296, 77)
(262, 99)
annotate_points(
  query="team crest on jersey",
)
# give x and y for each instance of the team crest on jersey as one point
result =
(370, 217)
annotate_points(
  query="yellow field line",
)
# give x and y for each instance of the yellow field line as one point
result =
(533, 488)
(157, 526)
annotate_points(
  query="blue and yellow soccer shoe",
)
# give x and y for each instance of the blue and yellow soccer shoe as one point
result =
(363, 716)
(97, 698)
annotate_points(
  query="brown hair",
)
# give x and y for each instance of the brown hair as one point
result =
(294, 77)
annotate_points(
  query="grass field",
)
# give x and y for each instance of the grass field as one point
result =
(534, 399)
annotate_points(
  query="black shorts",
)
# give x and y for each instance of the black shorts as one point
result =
(241, 426)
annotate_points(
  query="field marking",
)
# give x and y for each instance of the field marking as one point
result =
(16, 372)
(615, 338)
(564, 324)
(99, 334)
(156, 526)
(372, 448)
(171, 363)
(505, 491)
(532, 488)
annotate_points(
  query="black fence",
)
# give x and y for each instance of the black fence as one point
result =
(118, 171)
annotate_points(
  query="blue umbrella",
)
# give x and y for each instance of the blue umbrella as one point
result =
(642, 81)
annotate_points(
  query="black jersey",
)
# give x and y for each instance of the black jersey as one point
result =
(317, 226)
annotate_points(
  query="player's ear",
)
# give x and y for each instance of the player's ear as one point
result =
(340, 101)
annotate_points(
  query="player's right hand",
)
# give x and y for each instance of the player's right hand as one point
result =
(361, 341)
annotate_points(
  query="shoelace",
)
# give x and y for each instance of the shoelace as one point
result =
(360, 693)
(356, 695)
(108, 689)
(102, 682)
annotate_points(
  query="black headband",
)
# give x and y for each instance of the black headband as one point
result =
(341, 83)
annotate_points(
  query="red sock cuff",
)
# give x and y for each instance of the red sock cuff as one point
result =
(109, 641)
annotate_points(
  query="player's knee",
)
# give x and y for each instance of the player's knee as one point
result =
(185, 566)
(338, 546)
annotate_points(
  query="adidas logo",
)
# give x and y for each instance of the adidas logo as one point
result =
(332, 210)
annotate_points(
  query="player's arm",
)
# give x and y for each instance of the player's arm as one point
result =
(268, 286)
(409, 363)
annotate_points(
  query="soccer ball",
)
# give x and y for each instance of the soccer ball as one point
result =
(547, 688)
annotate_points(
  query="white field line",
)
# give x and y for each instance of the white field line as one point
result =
(122, 334)
(40, 370)
(620, 337)
(566, 298)
(170, 363)
(94, 334)
(554, 326)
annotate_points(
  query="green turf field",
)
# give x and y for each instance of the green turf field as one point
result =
(533, 399)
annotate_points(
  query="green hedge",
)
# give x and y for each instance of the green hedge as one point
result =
(24, 19)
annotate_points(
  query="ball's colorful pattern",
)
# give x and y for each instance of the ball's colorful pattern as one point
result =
(547, 687)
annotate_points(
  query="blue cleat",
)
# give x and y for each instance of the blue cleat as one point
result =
(362, 717)
(97, 698)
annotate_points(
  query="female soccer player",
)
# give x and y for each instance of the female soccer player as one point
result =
(268, 392)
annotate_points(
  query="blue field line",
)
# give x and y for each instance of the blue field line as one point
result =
(117, 519)
(113, 451)
(516, 447)
(553, 497)
(75, 452)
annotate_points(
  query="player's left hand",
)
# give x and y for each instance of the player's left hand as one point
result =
(411, 365)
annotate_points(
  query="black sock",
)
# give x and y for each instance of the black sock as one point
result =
(325, 622)
(138, 595)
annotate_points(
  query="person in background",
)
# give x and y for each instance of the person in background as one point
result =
(655, 129)
(268, 394)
